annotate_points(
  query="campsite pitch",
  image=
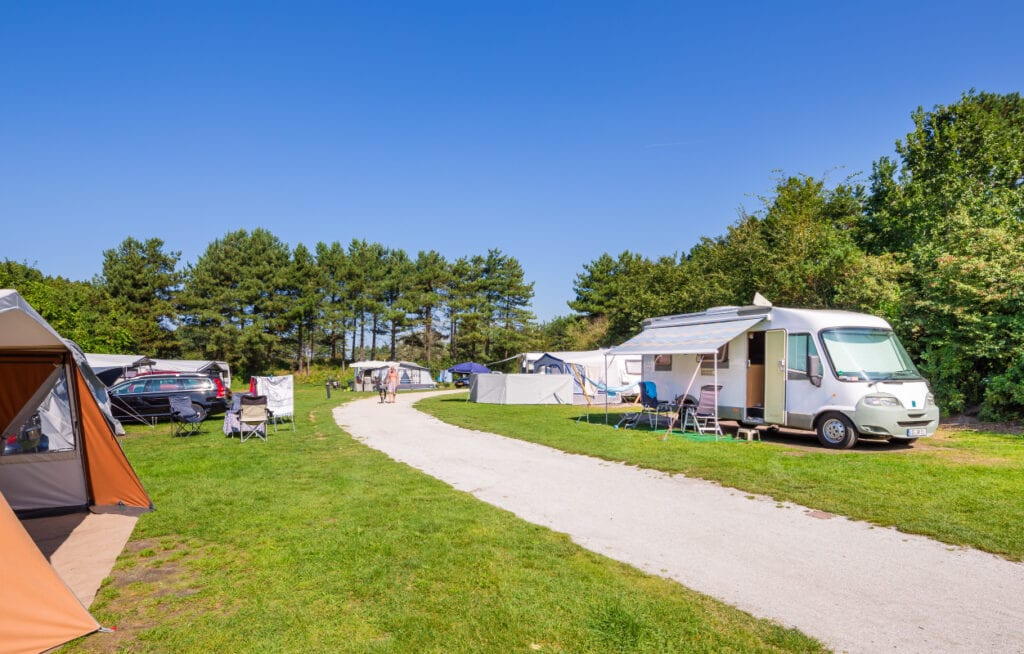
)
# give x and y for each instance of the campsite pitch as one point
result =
(857, 587)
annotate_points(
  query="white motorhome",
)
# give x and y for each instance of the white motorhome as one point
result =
(838, 373)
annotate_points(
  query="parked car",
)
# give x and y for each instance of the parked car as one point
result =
(148, 396)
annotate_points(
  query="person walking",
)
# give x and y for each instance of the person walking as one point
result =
(391, 382)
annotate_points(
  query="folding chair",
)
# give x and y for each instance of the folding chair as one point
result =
(652, 406)
(185, 420)
(253, 417)
(704, 416)
(628, 420)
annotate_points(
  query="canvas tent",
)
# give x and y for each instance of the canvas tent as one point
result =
(60, 454)
(525, 361)
(366, 374)
(594, 371)
(112, 368)
(411, 376)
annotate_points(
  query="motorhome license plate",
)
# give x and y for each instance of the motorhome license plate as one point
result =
(916, 431)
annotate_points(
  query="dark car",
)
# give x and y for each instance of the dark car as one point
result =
(148, 396)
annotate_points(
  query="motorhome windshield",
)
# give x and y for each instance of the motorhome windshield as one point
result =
(868, 354)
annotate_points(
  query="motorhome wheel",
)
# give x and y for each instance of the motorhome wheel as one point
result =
(836, 431)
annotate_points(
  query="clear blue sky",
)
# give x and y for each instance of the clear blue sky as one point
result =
(554, 131)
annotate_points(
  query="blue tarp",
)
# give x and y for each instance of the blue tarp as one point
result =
(469, 368)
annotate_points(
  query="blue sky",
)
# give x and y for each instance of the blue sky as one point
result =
(554, 132)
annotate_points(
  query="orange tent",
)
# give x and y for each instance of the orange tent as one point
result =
(60, 453)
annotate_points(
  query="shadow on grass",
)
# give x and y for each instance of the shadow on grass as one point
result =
(804, 440)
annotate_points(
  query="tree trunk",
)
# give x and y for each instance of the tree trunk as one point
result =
(362, 336)
(373, 337)
(428, 337)
(454, 348)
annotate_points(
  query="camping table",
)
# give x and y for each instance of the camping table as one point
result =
(231, 423)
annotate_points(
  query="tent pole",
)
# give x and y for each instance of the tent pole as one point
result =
(717, 428)
(606, 388)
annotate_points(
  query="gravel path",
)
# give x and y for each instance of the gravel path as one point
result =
(856, 587)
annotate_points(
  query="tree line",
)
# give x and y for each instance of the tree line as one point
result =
(251, 300)
(933, 242)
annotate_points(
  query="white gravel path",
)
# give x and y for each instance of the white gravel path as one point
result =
(855, 587)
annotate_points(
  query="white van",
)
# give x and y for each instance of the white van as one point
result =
(844, 375)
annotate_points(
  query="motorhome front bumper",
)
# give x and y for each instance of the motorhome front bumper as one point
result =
(895, 421)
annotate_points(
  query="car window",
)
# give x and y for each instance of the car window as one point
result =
(131, 389)
(163, 385)
(196, 384)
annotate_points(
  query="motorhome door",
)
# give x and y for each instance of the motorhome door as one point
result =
(775, 377)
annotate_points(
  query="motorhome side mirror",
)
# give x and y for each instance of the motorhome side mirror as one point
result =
(813, 366)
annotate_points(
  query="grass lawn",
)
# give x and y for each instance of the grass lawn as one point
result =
(960, 487)
(313, 542)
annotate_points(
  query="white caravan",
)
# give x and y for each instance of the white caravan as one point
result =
(839, 373)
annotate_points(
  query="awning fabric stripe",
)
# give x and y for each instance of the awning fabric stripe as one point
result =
(704, 338)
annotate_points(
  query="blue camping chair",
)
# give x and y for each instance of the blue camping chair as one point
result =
(185, 419)
(653, 408)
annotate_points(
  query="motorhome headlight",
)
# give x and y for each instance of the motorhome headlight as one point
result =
(881, 400)
(929, 400)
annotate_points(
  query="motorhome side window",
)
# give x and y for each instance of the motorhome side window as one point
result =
(663, 362)
(799, 348)
(707, 364)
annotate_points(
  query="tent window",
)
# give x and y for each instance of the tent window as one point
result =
(48, 429)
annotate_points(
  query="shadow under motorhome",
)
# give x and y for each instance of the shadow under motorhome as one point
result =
(841, 374)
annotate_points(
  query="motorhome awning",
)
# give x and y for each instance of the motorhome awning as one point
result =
(702, 338)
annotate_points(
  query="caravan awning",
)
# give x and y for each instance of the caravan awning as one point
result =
(701, 338)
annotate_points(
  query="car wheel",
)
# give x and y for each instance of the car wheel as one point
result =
(835, 431)
(199, 409)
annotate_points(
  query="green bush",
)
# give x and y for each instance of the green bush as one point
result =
(1004, 394)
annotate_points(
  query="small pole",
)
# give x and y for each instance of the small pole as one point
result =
(327, 385)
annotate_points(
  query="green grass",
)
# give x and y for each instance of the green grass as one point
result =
(961, 487)
(313, 542)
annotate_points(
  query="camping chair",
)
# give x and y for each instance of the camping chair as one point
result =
(704, 416)
(652, 407)
(185, 420)
(628, 420)
(253, 418)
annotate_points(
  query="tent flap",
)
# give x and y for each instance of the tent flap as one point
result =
(111, 477)
(698, 338)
